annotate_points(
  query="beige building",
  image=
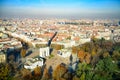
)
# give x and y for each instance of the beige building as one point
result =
(2, 58)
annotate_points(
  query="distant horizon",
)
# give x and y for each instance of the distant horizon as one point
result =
(54, 18)
(68, 9)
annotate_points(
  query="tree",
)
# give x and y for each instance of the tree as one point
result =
(59, 72)
(84, 56)
(82, 77)
(81, 55)
(75, 50)
(5, 73)
(23, 52)
(89, 74)
(86, 47)
(37, 70)
(84, 71)
(88, 58)
(93, 53)
(80, 69)
(105, 69)
(26, 74)
(116, 52)
(106, 54)
(116, 55)
(103, 60)
(46, 75)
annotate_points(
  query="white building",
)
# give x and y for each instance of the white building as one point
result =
(69, 44)
(44, 52)
(105, 35)
(32, 63)
(85, 40)
(64, 53)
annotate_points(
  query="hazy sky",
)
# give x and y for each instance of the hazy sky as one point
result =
(60, 8)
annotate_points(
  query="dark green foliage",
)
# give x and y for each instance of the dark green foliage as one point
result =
(105, 68)
(5, 72)
(116, 52)
(105, 61)
(84, 71)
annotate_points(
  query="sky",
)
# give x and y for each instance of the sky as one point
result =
(60, 9)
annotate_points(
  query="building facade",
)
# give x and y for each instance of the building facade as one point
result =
(44, 52)
(32, 63)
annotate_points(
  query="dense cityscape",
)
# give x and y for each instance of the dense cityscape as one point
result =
(59, 39)
(36, 46)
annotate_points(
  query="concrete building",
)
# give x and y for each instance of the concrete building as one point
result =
(32, 63)
(44, 52)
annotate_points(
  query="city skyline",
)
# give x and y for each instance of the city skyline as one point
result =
(60, 9)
